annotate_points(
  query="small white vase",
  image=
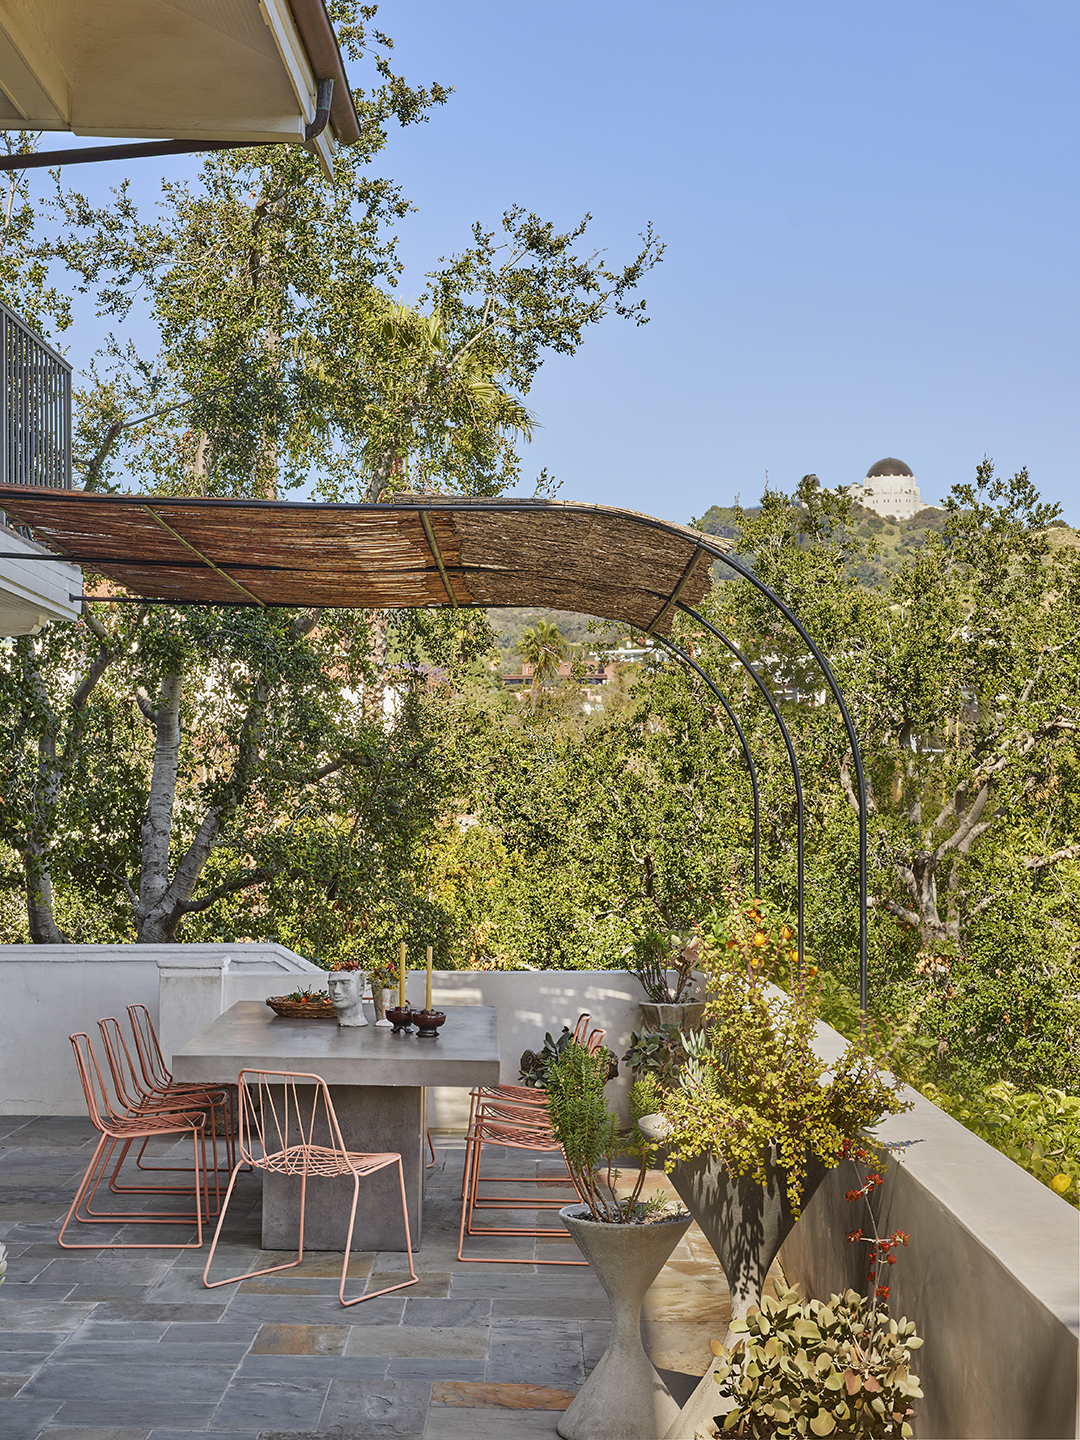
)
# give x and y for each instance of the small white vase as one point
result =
(382, 1000)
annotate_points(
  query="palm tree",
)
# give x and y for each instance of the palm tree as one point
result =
(542, 646)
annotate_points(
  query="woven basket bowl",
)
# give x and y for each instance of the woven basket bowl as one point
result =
(297, 1010)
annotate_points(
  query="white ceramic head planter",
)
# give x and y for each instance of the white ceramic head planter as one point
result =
(346, 987)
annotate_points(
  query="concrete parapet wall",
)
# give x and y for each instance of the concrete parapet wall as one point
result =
(48, 992)
(991, 1275)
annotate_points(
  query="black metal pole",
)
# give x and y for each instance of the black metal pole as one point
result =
(145, 149)
(795, 775)
(688, 660)
(853, 741)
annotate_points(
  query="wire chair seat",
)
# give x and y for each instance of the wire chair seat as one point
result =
(280, 1113)
(322, 1162)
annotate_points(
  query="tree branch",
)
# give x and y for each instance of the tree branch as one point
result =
(242, 881)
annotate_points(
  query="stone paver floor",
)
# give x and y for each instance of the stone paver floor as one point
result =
(126, 1345)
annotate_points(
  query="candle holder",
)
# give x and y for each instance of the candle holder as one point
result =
(402, 1018)
(428, 1022)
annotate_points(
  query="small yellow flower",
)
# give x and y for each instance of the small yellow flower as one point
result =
(1061, 1183)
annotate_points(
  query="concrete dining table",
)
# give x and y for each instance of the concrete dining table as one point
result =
(377, 1082)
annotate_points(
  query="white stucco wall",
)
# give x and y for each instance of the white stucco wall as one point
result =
(47, 992)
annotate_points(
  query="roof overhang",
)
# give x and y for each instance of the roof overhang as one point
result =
(34, 588)
(228, 70)
(418, 551)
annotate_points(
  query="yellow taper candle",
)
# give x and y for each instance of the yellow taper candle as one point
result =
(401, 976)
(427, 1000)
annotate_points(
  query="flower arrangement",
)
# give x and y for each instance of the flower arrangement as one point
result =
(382, 974)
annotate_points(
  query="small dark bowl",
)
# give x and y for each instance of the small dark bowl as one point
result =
(429, 1022)
(402, 1017)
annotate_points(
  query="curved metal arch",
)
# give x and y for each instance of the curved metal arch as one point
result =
(800, 834)
(406, 576)
(853, 739)
(751, 767)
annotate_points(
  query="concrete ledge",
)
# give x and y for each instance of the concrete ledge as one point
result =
(991, 1277)
(50, 991)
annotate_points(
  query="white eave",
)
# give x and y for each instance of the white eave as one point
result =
(32, 591)
(234, 70)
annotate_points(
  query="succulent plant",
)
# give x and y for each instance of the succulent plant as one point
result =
(841, 1368)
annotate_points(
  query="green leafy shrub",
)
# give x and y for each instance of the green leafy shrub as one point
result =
(1039, 1131)
(588, 1132)
(842, 1368)
(752, 1088)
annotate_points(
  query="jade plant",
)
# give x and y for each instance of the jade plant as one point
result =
(841, 1368)
(588, 1131)
(752, 1089)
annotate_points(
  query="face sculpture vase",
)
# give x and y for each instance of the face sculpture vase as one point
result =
(346, 988)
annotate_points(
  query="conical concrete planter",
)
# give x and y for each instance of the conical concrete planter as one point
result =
(745, 1223)
(624, 1398)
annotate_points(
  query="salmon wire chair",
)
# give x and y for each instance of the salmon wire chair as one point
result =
(120, 1124)
(138, 1090)
(514, 1117)
(281, 1115)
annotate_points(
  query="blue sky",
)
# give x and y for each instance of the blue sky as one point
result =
(871, 216)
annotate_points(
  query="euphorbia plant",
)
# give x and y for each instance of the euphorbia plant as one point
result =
(588, 1132)
(753, 1091)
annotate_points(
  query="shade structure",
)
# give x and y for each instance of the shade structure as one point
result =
(418, 551)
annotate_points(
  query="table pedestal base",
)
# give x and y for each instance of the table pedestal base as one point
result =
(372, 1119)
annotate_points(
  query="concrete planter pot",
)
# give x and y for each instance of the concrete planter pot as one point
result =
(746, 1224)
(624, 1396)
(687, 1016)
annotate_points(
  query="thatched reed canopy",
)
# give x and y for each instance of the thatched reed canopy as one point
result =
(419, 550)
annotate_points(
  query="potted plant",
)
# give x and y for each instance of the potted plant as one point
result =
(625, 1238)
(655, 956)
(755, 1118)
(841, 1368)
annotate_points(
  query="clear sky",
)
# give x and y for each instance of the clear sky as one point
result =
(871, 215)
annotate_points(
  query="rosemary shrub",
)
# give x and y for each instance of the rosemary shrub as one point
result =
(588, 1132)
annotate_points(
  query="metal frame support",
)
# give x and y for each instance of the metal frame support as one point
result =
(692, 664)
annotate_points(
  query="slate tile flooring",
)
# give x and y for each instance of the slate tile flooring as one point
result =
(115, 1345)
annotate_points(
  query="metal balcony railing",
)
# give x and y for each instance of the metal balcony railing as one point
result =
(35, 408)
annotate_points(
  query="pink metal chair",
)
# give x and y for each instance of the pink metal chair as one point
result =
(512, 1127)
(281, 1113)
(157, 1077)
(118, 1126)
(133, 1094)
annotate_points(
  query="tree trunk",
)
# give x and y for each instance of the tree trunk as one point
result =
(39, 896)
(157, 822)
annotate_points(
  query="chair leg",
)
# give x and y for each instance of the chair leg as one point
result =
(468, 1204)
(431, 1147)
(99, 1162)
(242, 1168)
(404, 1284)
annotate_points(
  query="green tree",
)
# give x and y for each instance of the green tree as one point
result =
(542, 647)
